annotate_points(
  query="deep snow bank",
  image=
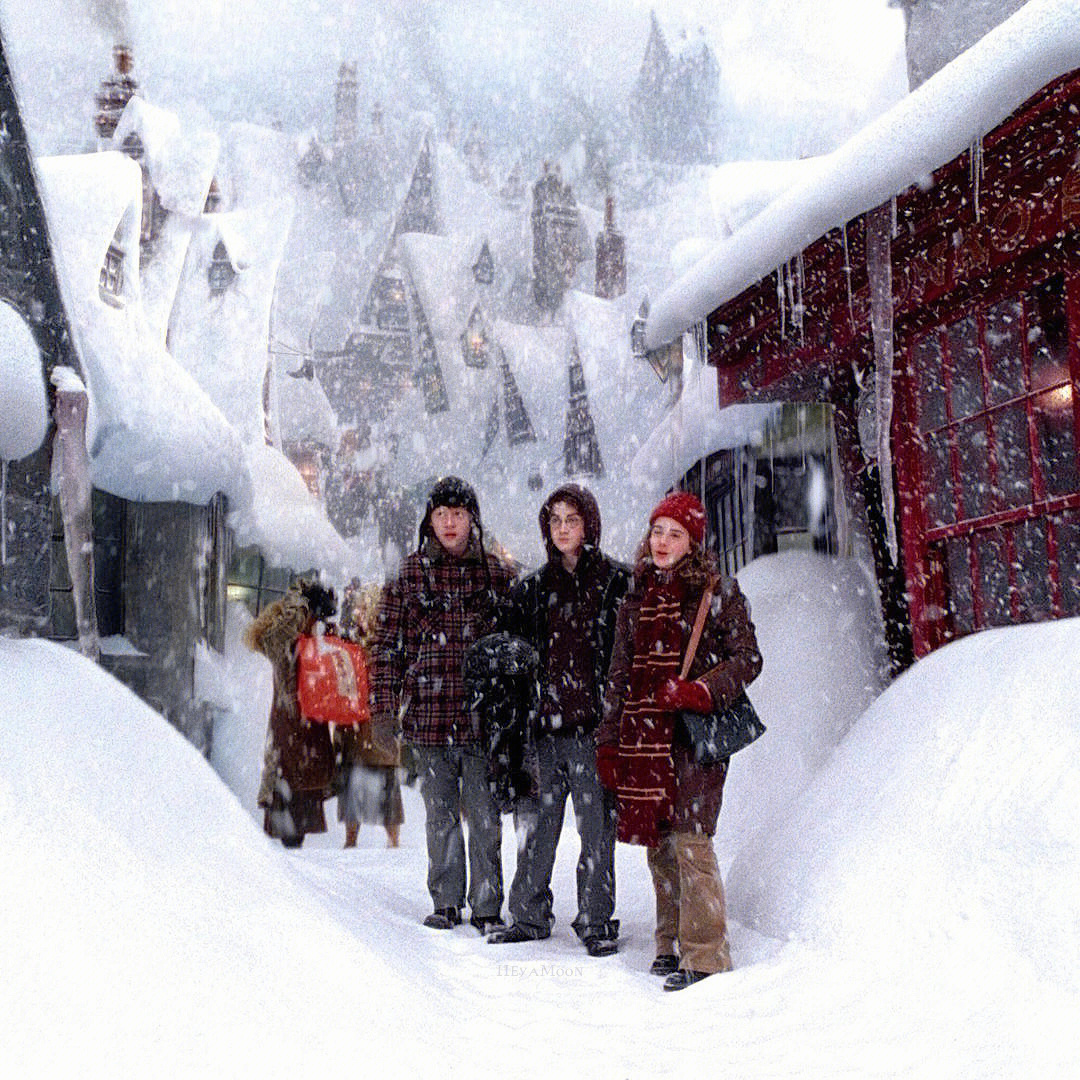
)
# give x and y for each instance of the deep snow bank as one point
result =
(151, 925)
(948, 814)
(824, 660)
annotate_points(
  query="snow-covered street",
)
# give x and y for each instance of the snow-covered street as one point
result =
(904, 903)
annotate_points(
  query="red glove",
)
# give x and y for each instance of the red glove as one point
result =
(675, 694)
(607, 765)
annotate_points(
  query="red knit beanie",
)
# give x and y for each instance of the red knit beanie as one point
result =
(684, 508)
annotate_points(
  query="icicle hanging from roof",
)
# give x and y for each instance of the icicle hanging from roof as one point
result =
(879, 275)
(789, 293)
(975, 164)
(847, 274)
(780, 296)
(800, 292)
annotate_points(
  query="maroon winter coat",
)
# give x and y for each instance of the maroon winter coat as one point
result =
(727, 660)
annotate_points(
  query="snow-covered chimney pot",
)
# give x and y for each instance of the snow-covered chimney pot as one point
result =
(610, 256)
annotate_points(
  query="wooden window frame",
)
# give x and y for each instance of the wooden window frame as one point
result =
(933, 618)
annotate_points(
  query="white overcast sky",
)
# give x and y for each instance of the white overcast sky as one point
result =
(783, 61)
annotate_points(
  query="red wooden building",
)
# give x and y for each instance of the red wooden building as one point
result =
(985, 266)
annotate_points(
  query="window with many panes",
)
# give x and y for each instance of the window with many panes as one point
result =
(997, 450)
(111, 276)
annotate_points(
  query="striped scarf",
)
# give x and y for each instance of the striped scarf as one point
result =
(646, 773)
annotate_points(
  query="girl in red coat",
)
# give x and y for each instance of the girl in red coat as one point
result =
(667, 802)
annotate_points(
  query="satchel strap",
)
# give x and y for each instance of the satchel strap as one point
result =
(695, 634)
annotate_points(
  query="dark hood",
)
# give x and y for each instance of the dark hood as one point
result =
(587, 507)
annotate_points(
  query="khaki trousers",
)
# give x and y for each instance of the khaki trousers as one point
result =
(690, 902)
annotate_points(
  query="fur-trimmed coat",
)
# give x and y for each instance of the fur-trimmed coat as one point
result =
(298, 756)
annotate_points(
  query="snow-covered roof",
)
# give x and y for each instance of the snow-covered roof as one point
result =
(624, 397)
(695, 428)
(153, 434)
(928, 128)
(24, 407)
(180, 163)
(286, 522)
(222, 340)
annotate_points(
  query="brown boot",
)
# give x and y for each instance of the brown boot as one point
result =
(393, 835)
(351, 833)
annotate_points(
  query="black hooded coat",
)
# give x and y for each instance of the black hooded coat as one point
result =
(596, 588)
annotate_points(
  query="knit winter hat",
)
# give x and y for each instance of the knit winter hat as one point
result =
(684, 508)
(451, 491)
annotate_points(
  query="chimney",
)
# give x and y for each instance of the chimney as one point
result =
(610, 256)
(345, 105)
(115, 92)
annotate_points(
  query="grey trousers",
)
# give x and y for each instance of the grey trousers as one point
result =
(567, 768)
(453, 783)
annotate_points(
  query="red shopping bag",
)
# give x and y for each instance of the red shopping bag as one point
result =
(332, 680)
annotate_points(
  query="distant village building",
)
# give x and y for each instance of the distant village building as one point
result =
(675, 104)
(556, 237)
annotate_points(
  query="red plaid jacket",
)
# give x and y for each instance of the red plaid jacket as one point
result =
(435, 609)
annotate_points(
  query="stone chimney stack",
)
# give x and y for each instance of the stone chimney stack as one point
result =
(610, 256)
(115, 92)
(346, 105)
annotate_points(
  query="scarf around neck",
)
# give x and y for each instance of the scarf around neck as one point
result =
(646, 792)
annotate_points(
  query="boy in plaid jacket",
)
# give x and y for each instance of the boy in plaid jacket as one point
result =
(447, 594)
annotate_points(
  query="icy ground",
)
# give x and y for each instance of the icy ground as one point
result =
(903, 874)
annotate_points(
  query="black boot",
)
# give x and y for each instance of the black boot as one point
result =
(682, 978)
(602, 940)
(513, 935)
(665, 964)
(598, 946)
(444, 918)
(487, 923)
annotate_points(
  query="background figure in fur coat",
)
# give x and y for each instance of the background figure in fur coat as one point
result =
(368, 754)
(298, 763)
(666, 801)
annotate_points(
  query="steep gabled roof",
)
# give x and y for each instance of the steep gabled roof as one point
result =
(180, 163)
(153, 433)
(222, 340)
